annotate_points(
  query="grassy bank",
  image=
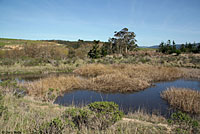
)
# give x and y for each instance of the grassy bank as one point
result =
(184, 99)
(27, 115)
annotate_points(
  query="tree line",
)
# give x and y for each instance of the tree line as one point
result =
(171, 47)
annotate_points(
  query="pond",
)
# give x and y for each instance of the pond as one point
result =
(149, 99)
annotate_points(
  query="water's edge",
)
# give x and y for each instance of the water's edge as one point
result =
(148, 99)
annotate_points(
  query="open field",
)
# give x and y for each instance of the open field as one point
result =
(184, 99)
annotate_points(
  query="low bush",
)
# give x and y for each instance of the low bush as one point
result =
(55, 126)
(107, 113)
(184, 123)
(97, 115)
(78, 118)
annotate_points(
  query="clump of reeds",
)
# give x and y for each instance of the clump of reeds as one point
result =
(54, 84)
(191, 73)
(118, 83)
(185, 99)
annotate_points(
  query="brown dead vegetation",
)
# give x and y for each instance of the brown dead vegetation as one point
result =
(184, 99)
(105, 78)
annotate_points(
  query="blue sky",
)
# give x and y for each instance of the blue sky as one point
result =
(153, 21)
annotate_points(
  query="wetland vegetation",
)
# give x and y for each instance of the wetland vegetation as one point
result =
(116, 66)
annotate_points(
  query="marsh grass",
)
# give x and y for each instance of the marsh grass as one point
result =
(118, 83)
(105, 78)
(49, 88)
(191, 73)
(184, 99)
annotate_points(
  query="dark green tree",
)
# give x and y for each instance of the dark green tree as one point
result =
(95, 52)
(182, 48)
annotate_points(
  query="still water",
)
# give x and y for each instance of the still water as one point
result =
(149, 99)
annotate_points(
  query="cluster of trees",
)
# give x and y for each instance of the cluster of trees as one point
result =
(190, 48)
(171, 47)
(122, 42)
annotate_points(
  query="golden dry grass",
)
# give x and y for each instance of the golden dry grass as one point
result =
(118, 83)
(149, 73)
(191, 73)
(93, 70)
(185, 99)
(41, 87)
(143, 71)
(106, 78)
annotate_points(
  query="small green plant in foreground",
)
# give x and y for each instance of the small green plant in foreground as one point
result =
(78, 117)
(55, 126)
(184, 123)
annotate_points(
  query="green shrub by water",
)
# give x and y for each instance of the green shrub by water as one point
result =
(97, 115)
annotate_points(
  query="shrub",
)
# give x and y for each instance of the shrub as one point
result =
(184, 123)
(13, 87)
(178, 52)
(78, 118)
(31, 62)
(97, 115)
(55, 126)
(106, 112)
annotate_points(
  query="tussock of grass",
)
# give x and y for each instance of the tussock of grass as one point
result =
(185, 99)
(118, 83)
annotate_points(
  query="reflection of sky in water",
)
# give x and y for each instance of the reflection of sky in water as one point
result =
(148, 99)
